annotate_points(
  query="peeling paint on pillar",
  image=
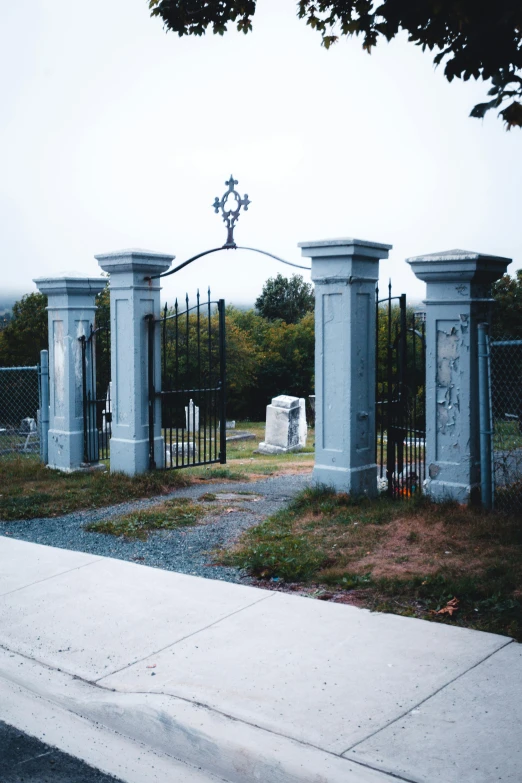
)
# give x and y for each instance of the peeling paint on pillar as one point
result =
(449, 349)
(71, 308)
(458, 298)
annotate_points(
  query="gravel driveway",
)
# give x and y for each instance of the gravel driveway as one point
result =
(184, 549)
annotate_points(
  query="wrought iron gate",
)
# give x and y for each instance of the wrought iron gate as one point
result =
(400, 396)
(193, 380)
(97, 410)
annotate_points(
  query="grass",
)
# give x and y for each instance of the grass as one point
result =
(242, 455)
(507, 435)
(218, 474)
(28, 489)
(410, 557)
(208, 497)
(169, 515)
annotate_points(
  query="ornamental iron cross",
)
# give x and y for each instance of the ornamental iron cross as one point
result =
(230, 205)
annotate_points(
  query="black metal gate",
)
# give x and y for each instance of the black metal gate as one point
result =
(193, 380)
(400, 396)
(96, 383)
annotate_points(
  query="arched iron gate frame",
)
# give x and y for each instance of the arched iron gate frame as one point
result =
(97, 413)
(400, 417)
(230, 211)
(194, 360)
(230, 217)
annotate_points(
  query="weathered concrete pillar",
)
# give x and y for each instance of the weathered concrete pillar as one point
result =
(133, 297)
(345, 272)
(458, 297)
(70, 307)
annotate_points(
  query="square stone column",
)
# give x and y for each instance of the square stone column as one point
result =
(345, 272)
(71, 308)
(458, 297)
(133, 297)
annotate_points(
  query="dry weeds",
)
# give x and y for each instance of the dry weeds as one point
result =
(397, 556)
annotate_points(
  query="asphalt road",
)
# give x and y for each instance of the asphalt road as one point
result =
(24, 759)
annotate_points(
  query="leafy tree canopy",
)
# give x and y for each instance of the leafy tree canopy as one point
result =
(26, 334)
(507, 312)
(287, 299)
(474, 38)
(283, 356)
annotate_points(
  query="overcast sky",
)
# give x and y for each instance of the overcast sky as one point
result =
(115, 134)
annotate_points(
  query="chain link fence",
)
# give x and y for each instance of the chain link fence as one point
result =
(19, 411)
(506, 413)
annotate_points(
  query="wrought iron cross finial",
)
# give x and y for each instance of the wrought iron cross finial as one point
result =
(230, 205)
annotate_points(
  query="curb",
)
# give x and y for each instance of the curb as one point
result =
(148, 737)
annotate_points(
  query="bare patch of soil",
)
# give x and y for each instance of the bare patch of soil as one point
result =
(446, 562)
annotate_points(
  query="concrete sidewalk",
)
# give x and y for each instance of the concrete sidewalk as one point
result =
(157, 676)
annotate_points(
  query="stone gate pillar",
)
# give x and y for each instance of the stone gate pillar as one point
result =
(345, 272)
(458, 297)
(132, 298)
(71, 308)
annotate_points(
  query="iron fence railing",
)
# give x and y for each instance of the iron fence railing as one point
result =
(96, 392)
(399, 397)
(193, 384)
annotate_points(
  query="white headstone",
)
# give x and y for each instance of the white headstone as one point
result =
(27, 425)
(185, 450)
(108, 409)
(282, 426)
(192, 417)
(303, 427)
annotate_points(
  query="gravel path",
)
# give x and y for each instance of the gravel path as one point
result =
(185, 549)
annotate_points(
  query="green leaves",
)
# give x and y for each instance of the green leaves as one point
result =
(193, 17)
(170, 515)
(507, 313)
(474, 38)
(269, 358)
(26, 334)
(512, 115)
(287, 299)
(273, 550)
(481, 108)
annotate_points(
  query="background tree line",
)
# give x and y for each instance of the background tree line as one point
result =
(270, 347)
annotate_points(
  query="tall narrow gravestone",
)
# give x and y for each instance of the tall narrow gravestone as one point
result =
(282, 432)
(192, 417)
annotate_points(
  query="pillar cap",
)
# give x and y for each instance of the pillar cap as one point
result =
(135, 259)
(70, 285)
(344, 246)
(457, 264)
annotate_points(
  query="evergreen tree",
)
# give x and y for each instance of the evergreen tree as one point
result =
(286, 299)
